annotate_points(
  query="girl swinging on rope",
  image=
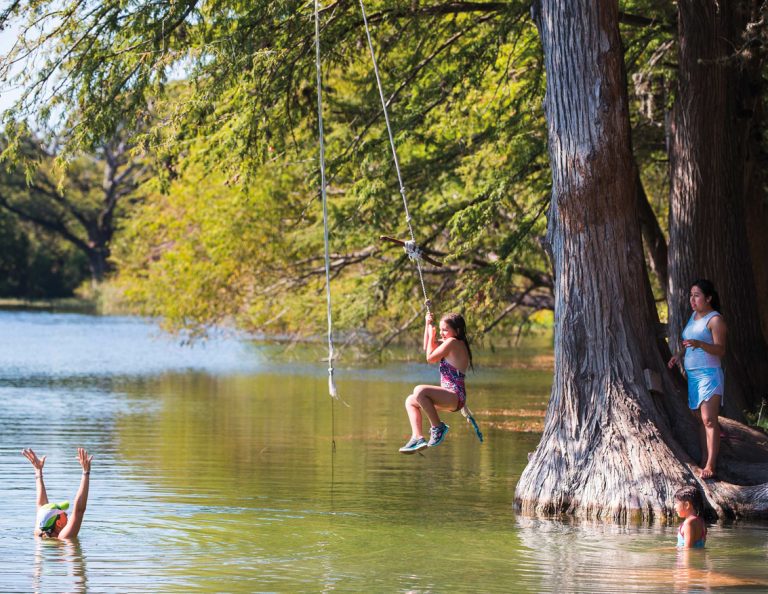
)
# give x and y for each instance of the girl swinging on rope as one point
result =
(455, 358)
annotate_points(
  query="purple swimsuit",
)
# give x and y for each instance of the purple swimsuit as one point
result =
(452, 379)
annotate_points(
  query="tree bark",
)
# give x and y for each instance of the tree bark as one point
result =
(98, 263)
(710, 167)
(610, 447)
(602, 424)
(653, 238)
(754, 176)
(757, 223)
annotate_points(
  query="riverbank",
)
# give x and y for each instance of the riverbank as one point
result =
(66, 305)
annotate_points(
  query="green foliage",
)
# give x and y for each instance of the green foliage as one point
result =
(14, 250)
(35, 265)
(465, 92)
(230, 227)
(759, 418)
(205, 251)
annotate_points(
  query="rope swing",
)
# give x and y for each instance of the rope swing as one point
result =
(411, 248)
(413, 251)
(324, 198)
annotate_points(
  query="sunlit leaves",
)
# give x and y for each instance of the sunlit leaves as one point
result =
(231, 230)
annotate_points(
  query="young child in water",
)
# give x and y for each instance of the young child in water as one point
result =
(455, 358)
(52, 521)
(689, 505)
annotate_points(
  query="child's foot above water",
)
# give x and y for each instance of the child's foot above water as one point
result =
(437, 434)
(414, 445)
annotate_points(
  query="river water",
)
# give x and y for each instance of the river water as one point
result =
(215, 471)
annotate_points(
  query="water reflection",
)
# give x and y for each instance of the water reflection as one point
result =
(696, 570)
(59, 565)
(598, 557)
(220, 476)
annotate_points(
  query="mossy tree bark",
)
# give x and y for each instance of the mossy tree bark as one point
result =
(610, 447)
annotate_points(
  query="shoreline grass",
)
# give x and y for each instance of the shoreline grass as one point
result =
(64, 304)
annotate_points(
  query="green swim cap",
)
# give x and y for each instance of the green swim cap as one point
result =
(48, 514)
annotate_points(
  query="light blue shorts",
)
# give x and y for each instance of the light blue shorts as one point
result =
(703, 383)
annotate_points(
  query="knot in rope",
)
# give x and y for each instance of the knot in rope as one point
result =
(414, 251)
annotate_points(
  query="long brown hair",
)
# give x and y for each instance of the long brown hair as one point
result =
(459, 326)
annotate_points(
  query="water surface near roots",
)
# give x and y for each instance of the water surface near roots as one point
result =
(215, 471)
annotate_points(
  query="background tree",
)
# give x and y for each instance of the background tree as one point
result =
(78, 203)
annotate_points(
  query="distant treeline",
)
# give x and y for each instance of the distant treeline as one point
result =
(34, 265)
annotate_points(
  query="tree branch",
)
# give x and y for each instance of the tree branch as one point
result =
(57, 227)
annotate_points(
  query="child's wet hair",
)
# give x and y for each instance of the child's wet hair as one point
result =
(693, 496)
(459, 326)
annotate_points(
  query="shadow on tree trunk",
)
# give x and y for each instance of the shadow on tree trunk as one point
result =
(612, 448)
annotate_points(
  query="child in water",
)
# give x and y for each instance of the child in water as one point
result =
(52, 521)
(690, 506)
(455, 358)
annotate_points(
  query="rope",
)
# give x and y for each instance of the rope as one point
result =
(467, 414)
(411, 248)
(331, 384)
(413, 255)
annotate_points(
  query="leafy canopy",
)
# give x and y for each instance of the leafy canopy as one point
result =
(231, 226)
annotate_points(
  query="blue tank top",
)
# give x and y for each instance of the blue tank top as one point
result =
(697, 330)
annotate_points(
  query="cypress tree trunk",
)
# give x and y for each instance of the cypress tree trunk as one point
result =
(653, 237)
(709, 159)
(756, 199)
(610, 448)
(98, 263)
(604, 441)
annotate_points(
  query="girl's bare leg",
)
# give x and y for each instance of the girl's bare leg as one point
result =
(414, 416)
(709, 413)
(702, 438)
(432, 398)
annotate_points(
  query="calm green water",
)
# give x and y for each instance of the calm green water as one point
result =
(215, 472)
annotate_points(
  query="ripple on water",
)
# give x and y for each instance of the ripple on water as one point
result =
(212, 475)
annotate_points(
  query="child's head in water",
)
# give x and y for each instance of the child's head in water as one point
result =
(688, 501)
(51, 518)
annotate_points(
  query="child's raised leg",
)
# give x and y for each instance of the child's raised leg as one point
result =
(431, 399)
(414, 415)
(417, 442)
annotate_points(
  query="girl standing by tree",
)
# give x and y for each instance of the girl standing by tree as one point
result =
(704, 342)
